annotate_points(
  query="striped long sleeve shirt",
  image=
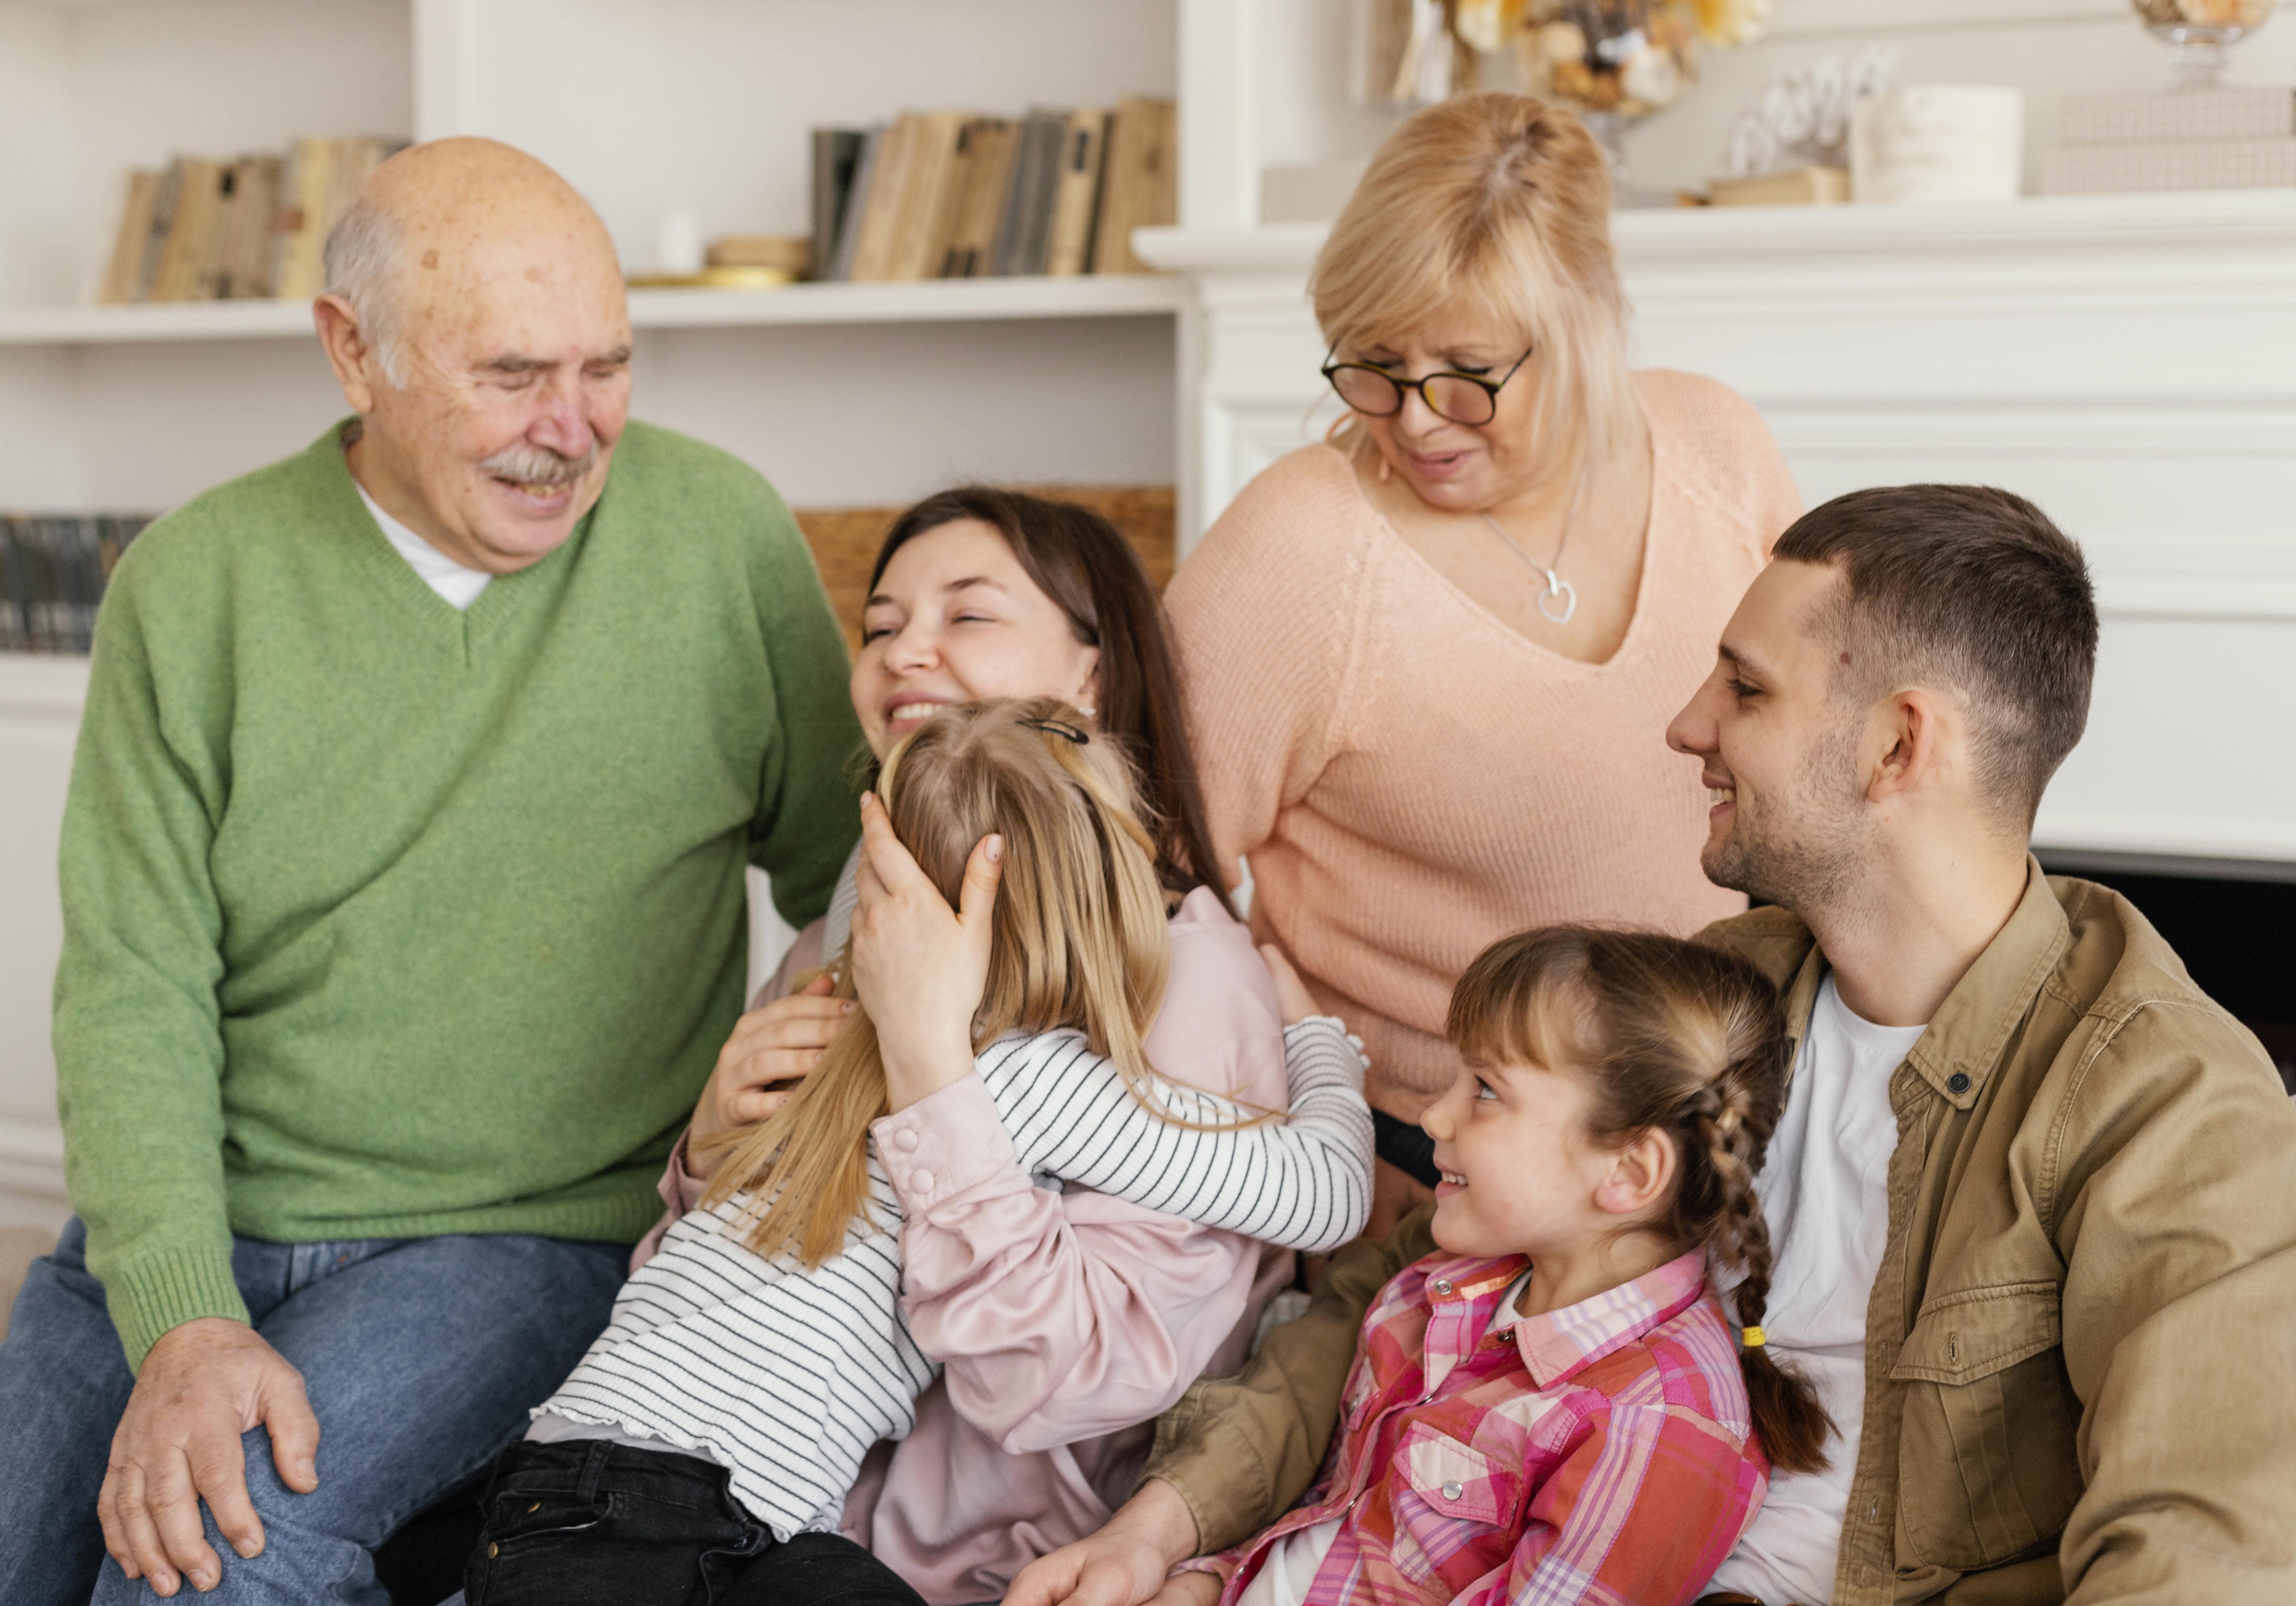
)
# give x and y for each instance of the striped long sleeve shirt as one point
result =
(787, 1376)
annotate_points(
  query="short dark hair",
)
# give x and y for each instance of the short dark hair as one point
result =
(1081, 562)
(1975, 588)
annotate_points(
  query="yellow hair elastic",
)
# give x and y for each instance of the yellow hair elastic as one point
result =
(1754, 1336)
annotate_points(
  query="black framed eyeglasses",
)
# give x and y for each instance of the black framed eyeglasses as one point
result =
(1464, 399)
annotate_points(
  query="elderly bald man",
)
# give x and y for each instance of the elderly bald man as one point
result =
(404, 918)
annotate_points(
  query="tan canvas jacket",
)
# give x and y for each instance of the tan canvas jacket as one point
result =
(2080, 1363)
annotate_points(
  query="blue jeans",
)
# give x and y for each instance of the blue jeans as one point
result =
(420, 1356)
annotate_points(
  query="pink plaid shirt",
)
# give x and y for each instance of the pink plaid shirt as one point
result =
(1602, 1453)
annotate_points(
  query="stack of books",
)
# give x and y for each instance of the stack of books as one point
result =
(52, 571)
(949, 195)
(219, 231)
(2230, 137)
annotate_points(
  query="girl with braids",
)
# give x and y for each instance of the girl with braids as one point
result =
(714, 1428)
(1553, 1406)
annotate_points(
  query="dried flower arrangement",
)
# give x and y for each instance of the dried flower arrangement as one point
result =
(1621, 58)
(2203, 32)
(2205, 13)
(1628, 58)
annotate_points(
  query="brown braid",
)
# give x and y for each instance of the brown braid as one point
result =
(1675, 1037)
(1793, 1426)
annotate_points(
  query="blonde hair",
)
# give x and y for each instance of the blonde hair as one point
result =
(1676, 1037)
(1078, 940)
(1498, 204)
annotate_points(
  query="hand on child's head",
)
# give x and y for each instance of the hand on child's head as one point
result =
(773, 1047)
(1293, 1002)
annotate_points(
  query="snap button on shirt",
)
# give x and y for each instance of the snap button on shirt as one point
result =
(1442, 1285)
(905, 1140)
(1454, 1489)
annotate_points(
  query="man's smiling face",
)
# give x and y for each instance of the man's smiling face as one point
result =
(518, 386)
(501, 380)
(1777, 748)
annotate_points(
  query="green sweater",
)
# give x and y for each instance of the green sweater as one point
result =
(383, 919)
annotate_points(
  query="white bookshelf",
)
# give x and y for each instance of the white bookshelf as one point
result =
(645, 106)
(927, 301)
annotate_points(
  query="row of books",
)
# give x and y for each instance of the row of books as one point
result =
(202, 230)
(950, 195)
(52, 571)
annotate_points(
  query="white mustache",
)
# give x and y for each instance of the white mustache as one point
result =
(530, 465)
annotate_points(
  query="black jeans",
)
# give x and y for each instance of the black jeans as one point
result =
(582, 1522)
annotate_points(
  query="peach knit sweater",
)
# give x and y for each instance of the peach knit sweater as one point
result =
(1411, 778)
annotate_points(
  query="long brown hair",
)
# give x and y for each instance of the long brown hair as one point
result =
(1675, 1037)
(1080, 939)
(1077, 559)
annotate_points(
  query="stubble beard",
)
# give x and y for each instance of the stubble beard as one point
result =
(1801, 848)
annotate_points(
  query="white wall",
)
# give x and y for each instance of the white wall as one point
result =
(36, 255)
(39, 720)
(884, 414)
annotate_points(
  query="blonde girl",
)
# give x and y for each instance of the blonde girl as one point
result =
(1555, 1407)
(763, 1344)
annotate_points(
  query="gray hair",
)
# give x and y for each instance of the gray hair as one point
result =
(362, 267)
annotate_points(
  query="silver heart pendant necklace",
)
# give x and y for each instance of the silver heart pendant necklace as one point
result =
(1560, 600)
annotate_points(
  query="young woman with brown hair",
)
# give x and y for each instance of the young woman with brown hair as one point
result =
(758, 1356)
(1066, 1320)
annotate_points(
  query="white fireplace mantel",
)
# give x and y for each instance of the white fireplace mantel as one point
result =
(2129, 362)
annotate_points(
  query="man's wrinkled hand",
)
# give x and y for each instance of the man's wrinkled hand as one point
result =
(1124, 1563)
(202, 1385)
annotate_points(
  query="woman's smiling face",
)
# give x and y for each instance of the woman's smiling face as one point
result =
(955, 618)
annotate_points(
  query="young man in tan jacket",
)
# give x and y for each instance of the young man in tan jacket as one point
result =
(2071, 1256)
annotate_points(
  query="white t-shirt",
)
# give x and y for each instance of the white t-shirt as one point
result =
(459, 585)
(1825, 1190)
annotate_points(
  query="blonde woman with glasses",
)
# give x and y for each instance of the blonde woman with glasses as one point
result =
(1430, 663)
